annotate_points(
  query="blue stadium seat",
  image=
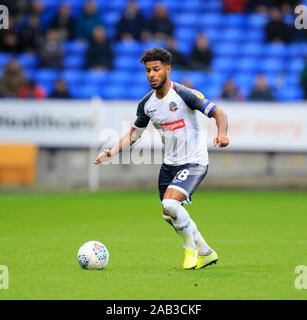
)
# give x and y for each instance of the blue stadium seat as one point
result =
(296, 50)
(136, 92)
(73, 77)
(292, 80)
(257, 20)
(227, 49)
(232, 34)
(119, 77)
(28, 60)
(275, 50)
(185, 47)
(73, 61)
(224, 64)
(244, 79)
(115, 5)
(84, 91)
(114, 91)
(252, 49)
(152, 44)
(254, 35)
(212, 6)
(295, 65)
(185, 20)
(217, 78)
(110, 18)
(46, 76)
(5, 58)
(211, 92)
(290, 94)
(209, 20)
(250, 65)
(213, 34)
(271, 65)
(96, 78)
(198, 78)
(75, 47)
(125, 62)
(185, 34)
(128, 48)
(233, 20)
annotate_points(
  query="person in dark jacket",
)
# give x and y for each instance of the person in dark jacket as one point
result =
(161, 27)
(99, 54)
(132, 25)
(63, 22)
(87, 21)
(31, 34)
(60, 90)
(202, 55)
(261, 91)
(277, 30)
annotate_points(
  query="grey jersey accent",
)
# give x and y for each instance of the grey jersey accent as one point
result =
(142, 119)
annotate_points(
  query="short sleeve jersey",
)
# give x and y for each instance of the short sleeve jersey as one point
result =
(174, 116)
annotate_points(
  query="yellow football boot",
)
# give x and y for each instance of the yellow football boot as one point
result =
(190, 258)
(204, 261)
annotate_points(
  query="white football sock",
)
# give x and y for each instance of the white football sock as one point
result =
(202, 246)
(181, 221)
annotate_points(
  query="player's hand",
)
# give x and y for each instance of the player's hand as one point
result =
(221, 141)
(103, 156)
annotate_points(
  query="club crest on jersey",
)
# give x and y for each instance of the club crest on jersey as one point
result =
(173, 106)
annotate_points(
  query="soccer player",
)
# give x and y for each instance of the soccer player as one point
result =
(172, 109)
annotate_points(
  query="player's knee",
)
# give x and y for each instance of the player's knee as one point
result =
(170, 207)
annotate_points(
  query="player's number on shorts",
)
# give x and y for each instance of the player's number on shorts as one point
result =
(183, 174)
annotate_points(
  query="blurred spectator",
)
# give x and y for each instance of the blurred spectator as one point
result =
(99, 54)
(87, 21)
(187, 83)
(231, 92)
(63, 22)
(264, 6)
(179, 61)
(30, 90)
(31, 34)
(37, 7)
(18, 9)
(201, 56)
(286, 6)
(10, 41)
(161, 26)
(132, 25)
(277, 30)
(60, 90)
(12, 79)
(51, 52)
(235, 6)
(303, 78)
(261, 91)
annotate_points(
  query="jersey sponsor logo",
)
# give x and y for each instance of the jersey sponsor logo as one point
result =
(171, 126)
(173, 106)
(198, 94)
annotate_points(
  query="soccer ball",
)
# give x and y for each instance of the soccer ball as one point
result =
(93, 255)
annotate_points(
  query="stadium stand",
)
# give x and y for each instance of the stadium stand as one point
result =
(237, 40)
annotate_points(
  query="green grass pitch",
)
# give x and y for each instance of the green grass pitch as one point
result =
(260, 238)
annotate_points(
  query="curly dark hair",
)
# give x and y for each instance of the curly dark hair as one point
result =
(157, 54)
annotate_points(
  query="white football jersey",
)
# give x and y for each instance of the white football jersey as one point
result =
(174, 116)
